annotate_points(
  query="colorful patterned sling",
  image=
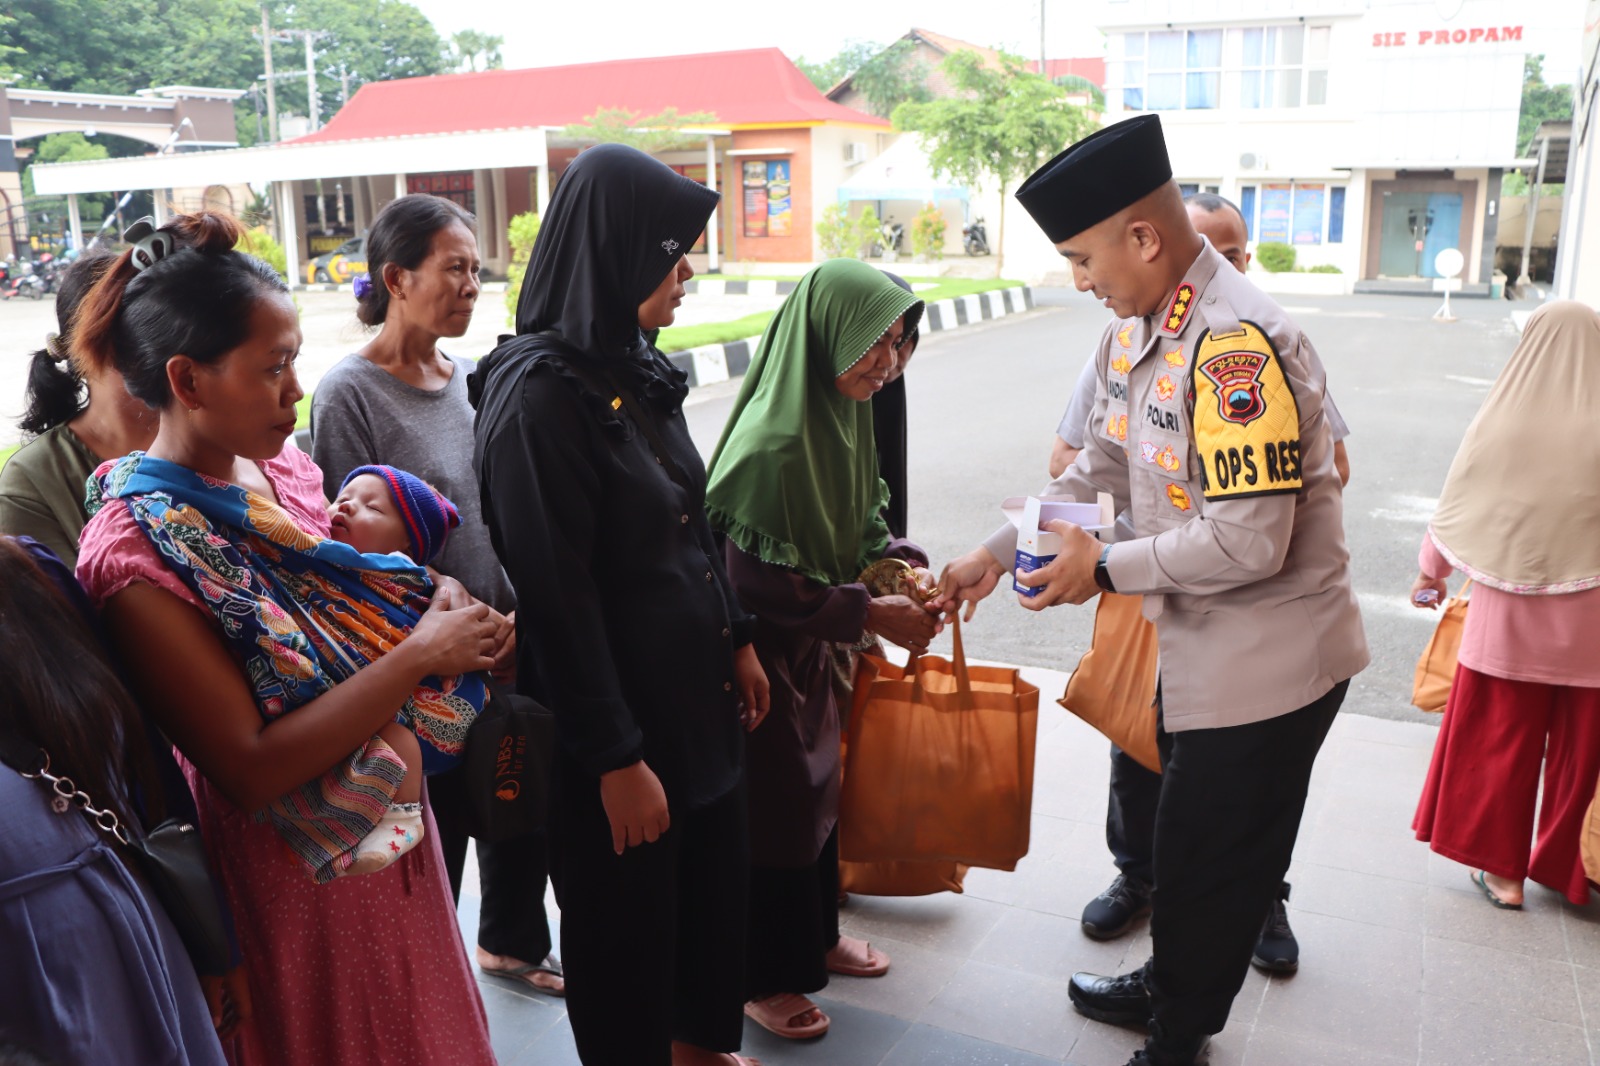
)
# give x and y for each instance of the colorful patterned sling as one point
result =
(301, 614)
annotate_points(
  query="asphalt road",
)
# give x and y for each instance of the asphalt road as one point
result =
(985, 401)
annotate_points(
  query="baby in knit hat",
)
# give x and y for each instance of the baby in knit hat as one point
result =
(383, 511)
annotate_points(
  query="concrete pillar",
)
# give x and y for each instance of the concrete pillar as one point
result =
(362, 202)
(1533, 211)
(74, 221)
(289, 212)
(541, 188)
(158, 198)
(712, 264)
(399, 186)
(502, 238)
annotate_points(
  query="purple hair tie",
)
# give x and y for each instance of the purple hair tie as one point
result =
(362, 284)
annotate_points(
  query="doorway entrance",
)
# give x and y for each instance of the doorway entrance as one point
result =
(1417, 226)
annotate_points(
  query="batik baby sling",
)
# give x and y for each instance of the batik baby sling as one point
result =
(301, 614)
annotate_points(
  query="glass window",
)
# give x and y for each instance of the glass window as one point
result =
(1205, 48)
(1291, 45)
(1316, 87)
(1249, 88)
(1165, 92)
(1247, 207)
(1203, 90)
(1308, 214)
(1317, 51)
(1169, 70)
(1188, 188)
(1288, 88)
(1132, 45)
(1336, 215)
(1166, 50)
(1281, 66)
(1133, 99)
(1251, 56)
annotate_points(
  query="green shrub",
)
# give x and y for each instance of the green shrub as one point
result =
(521, 234)
(835, 232)
(1275, 257)
(259, 243)
(927, 234)
(869, 229)
(1324, 268)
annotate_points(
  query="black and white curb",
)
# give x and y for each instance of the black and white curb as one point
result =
(345, 286)
(720, 362)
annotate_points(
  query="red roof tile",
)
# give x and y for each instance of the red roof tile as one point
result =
(755, 87)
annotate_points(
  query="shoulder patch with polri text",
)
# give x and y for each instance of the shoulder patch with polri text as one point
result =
(1246, 421)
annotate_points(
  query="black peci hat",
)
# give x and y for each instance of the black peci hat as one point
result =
(1097, 177)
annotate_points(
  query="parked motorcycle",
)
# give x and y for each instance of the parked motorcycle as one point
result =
(974, 238)
(24, 281)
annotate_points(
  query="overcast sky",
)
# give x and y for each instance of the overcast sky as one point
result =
(541, 33)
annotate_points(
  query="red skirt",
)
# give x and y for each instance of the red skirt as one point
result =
(1477, 806)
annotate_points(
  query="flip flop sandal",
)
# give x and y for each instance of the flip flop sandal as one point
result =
(775, 1013)
(551, 965)
(876, 966)
(1483, 884)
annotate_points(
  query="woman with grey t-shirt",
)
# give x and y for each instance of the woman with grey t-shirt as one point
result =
(400, 401)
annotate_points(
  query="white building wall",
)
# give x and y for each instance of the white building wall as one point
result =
(1578, 249)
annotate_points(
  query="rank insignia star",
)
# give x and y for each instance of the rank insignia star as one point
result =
(1121, 365)
(1178, 497)
(1174, 358)
(1179, 311)
(1125, 336)
(1165, 387)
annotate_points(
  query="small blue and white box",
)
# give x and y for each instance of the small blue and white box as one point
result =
(1037, 547)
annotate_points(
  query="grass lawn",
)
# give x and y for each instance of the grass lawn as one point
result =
(679, 338)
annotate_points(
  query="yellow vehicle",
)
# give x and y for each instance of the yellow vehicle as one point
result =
(339, 265)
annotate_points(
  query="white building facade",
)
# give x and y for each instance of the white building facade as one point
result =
(1369, 135)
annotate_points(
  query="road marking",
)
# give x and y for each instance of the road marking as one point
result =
(1477, 383)
(1405, 508)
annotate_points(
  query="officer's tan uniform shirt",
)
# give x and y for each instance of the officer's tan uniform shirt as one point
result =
(1208, 424)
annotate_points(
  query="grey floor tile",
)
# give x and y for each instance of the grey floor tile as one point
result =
(553, 1048)
(1048, 945)
(1469, 1034)
(1357, 897)
(916, 974)
(1063, 886)
(855, 1038)
(946, 923)
(1500, 980)
(1582, 926)
(1007, 1006)
(1466, 916)
(1351, 849)
(1272, 1046)
(926, 1045)
(1587, 980)
(515, 1022)
(1110, 1045)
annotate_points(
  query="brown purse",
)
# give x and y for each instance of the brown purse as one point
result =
(1436, 670)
(1113, 687)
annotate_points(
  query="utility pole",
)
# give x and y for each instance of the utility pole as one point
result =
(272, 92)
(1044, 67)
(310, 37)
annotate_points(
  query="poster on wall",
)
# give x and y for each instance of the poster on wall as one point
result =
(1274, 213)
(780, 220)
(755, 199)
(1309, 201)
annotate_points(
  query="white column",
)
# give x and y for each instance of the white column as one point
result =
(158, 201)
(362, 204)
(74, 222)
(288, 210)
(502, 239)
(541, 188)
(1533, 211)
(399, 186)
(712, 265)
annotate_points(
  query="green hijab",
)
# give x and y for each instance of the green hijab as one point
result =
(794, 480)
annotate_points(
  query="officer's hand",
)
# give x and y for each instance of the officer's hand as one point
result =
(1069, 578)
(966, 581)
(1424, 584)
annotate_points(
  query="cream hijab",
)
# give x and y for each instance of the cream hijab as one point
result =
(1520, 510)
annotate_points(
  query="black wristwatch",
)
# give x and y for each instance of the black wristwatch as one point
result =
(1102, 576)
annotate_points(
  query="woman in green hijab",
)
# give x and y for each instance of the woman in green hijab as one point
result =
(794, 487)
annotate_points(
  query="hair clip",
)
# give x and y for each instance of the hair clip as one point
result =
(361, 285)
(150, 245)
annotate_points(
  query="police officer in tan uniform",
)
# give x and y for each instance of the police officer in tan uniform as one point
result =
(1209, 427)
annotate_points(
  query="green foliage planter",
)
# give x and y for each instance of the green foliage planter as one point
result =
(521, 234)
(1275, 257)
(259, 243)
(1324, 268)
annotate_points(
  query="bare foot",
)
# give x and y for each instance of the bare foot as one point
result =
(1507, 890)
(690, 1055)
(551, 984)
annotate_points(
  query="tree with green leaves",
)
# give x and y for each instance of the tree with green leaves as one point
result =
(893, 77)
(1000, 124)
(830, 72)
(474, 50)
(1540, 103)
(665, 131)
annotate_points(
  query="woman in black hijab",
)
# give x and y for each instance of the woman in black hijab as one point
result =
(628, 629)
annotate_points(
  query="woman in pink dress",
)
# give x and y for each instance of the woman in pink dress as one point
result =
(1519, 515)
(362, 970)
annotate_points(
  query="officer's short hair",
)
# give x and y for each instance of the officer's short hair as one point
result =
(1211, 203)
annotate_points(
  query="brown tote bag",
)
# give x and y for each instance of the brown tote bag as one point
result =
(940, 763)
(1114, 685)
(1436, 670)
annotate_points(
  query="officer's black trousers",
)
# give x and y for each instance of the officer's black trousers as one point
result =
(652, 940)
(511, 875)
(1131, 816)
(1231, 801)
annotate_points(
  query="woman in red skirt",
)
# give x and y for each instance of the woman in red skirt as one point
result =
(1519, 515)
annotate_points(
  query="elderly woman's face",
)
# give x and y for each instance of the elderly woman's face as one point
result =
(875, 369)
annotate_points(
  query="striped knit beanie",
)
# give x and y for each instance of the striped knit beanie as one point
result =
(427, 515)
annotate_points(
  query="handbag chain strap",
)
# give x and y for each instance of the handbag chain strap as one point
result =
(15, 753)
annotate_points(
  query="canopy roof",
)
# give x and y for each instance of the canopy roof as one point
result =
(900, 173)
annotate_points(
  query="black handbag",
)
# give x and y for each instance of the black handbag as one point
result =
(507, 767)
(171, 858)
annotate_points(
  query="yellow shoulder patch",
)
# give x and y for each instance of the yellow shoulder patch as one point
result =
(1246, 421)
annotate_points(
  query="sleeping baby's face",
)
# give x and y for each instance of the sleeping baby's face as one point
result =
(365, 517)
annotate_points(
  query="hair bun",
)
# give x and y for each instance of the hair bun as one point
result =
(207, 232)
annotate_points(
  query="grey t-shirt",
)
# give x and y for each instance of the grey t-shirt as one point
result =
(362, 414)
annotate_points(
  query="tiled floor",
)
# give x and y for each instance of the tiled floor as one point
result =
(1404, 964)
